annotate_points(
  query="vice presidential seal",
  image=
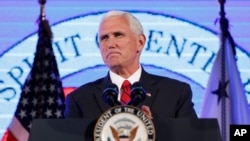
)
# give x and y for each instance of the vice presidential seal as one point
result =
(124, 123)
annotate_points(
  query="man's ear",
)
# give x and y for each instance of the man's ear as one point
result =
(141, 42)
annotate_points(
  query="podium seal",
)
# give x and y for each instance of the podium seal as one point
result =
(124, 123)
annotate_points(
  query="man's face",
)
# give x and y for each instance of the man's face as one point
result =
(118, 44)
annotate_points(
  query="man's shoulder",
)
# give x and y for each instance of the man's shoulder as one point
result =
(170, 84)
(166, 80)
(88, 86)
(92, 83)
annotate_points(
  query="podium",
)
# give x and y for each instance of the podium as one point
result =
(180, 129)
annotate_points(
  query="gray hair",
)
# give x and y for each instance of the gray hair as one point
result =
(134, 23)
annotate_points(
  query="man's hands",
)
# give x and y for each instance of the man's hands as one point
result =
(147, 111)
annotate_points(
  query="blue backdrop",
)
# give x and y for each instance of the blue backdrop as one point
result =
(193, 21)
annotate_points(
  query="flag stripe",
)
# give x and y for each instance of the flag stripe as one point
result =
(8, 136)
(17, 130)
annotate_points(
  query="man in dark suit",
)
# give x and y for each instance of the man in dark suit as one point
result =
(121, 41)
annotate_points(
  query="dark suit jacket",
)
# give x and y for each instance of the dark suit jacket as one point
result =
(169, 98)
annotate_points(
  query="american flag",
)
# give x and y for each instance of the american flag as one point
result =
(42, 93)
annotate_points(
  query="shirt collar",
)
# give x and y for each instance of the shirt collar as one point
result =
(118, 80)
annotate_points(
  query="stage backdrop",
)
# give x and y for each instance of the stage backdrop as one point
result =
(182, 40)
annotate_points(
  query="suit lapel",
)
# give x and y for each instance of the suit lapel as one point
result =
(149, 84)
(98, 93)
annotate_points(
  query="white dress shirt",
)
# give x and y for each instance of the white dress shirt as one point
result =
(118, 80)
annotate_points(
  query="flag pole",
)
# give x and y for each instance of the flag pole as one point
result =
(223, 36)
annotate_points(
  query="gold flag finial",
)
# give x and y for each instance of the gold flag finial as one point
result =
(42, 9)
(222, 1)
(42, 18)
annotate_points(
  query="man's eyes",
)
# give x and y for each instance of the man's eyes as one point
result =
(118, 34)
(103, 37)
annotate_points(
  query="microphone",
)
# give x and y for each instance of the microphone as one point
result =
(110, 95)
(137, 95)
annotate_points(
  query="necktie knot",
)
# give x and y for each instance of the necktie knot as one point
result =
(126, 84)
(125, 95)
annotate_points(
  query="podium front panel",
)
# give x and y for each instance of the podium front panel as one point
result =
(166, 130)
(62, 130)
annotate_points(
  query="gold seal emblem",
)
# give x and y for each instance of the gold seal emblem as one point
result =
(124, 123)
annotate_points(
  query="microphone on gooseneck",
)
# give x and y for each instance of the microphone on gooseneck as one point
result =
(137, 95)
(110, 95)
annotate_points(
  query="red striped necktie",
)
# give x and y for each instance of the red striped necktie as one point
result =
(125, 95)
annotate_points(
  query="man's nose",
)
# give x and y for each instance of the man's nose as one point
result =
(112, 43)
